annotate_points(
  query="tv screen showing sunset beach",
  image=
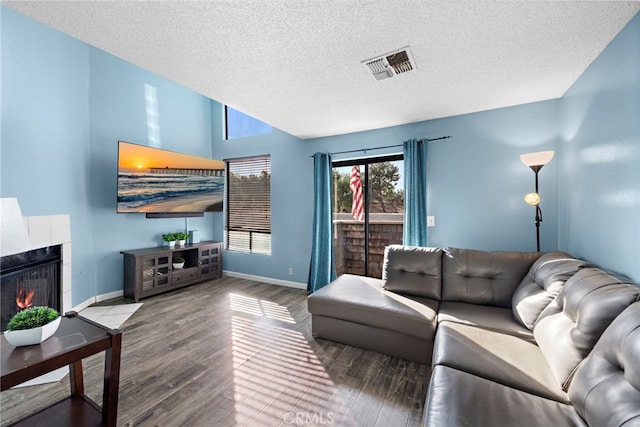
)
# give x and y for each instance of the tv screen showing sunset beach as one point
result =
(152, 180)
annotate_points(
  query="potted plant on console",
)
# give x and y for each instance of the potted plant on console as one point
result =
(170, 239)
(182, 237)
(32, 326)
(178, 263)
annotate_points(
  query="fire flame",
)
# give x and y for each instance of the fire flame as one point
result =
(25, 302)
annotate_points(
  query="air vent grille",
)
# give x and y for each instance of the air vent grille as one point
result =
(400, 62)
(379, 68)
(391, 64)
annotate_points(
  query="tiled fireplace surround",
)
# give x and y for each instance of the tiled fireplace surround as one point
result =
(50, 231)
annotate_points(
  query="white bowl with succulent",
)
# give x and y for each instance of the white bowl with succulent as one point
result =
(177, 262)
(170, 239)
(32, 326)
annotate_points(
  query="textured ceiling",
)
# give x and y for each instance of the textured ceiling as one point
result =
(297, 64)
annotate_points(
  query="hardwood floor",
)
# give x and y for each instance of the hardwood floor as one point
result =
(235, 352)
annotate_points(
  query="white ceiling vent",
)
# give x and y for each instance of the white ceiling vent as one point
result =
(389, 65)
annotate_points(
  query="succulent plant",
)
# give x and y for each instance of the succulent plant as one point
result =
(181, 235)
(32, 317)
(170, 237)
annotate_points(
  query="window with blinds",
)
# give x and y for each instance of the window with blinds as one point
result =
(248, 204)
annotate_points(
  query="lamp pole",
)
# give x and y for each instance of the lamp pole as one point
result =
(538, 218)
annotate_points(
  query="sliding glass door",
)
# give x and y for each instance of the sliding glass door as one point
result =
(368, 202)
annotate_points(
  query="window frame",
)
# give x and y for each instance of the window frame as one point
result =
(366, 161)
(225, 120)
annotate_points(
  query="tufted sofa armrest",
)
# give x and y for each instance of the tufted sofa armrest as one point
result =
(542, 284)
(606, 387)
(570, 326)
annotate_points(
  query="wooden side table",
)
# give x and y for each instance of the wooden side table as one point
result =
(75, 339)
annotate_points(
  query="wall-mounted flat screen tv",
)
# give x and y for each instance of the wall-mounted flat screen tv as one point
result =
(156, 181)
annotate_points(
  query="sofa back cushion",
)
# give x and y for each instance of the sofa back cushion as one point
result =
(481, 277)
(569, 327)
(413, 271)
(542, 284)
(605, 390)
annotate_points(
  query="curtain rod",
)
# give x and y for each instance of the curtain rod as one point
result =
(387, 146)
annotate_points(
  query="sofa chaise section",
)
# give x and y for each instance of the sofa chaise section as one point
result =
(358, 311)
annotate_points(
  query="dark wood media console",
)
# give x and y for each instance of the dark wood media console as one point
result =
(149, 271)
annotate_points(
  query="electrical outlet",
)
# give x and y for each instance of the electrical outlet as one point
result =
(431, 221)
(290, 271)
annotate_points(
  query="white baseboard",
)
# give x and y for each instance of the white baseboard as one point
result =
(84, 304)
(110, 295)
(98, 298)
(287, 283)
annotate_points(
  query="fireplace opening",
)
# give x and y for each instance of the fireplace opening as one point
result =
(30, 279)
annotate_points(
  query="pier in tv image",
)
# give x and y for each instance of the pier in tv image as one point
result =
(152, 180)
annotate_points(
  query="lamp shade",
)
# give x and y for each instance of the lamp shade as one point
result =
(532, 199)
(14, 237)
(539, 158)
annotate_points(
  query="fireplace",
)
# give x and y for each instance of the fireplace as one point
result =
(30, 279)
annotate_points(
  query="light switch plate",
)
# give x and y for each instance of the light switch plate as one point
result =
(431, 221)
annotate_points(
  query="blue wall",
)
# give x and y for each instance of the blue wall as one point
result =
(290, 203)
(600, 158)
(131, 104)
(65, 106)
(475, 180)
(476, 183)
(45, 132)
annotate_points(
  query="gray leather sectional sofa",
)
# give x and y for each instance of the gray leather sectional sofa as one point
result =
(514, 339)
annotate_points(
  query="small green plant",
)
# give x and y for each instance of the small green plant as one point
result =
(170, 237)
(32, 317)
(178, 260)
(182, 235)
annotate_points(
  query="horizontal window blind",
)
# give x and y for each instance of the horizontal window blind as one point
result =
(248, 204)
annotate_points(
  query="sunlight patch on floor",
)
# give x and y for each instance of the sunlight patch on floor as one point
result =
(258, 307)
(279, 380)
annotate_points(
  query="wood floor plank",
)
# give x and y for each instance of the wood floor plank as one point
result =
(235, 352)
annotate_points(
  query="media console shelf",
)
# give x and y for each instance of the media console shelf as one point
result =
(149, 271)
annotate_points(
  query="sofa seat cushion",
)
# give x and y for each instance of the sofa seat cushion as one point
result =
(493, 318)
(502, 358)
(363, 300)
(457, 398)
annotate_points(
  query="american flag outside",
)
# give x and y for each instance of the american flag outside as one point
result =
(357, 210)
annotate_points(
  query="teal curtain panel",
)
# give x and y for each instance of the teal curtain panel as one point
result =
(323, 266)
(415, 193)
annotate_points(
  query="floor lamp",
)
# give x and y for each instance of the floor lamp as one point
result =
(536, 161)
